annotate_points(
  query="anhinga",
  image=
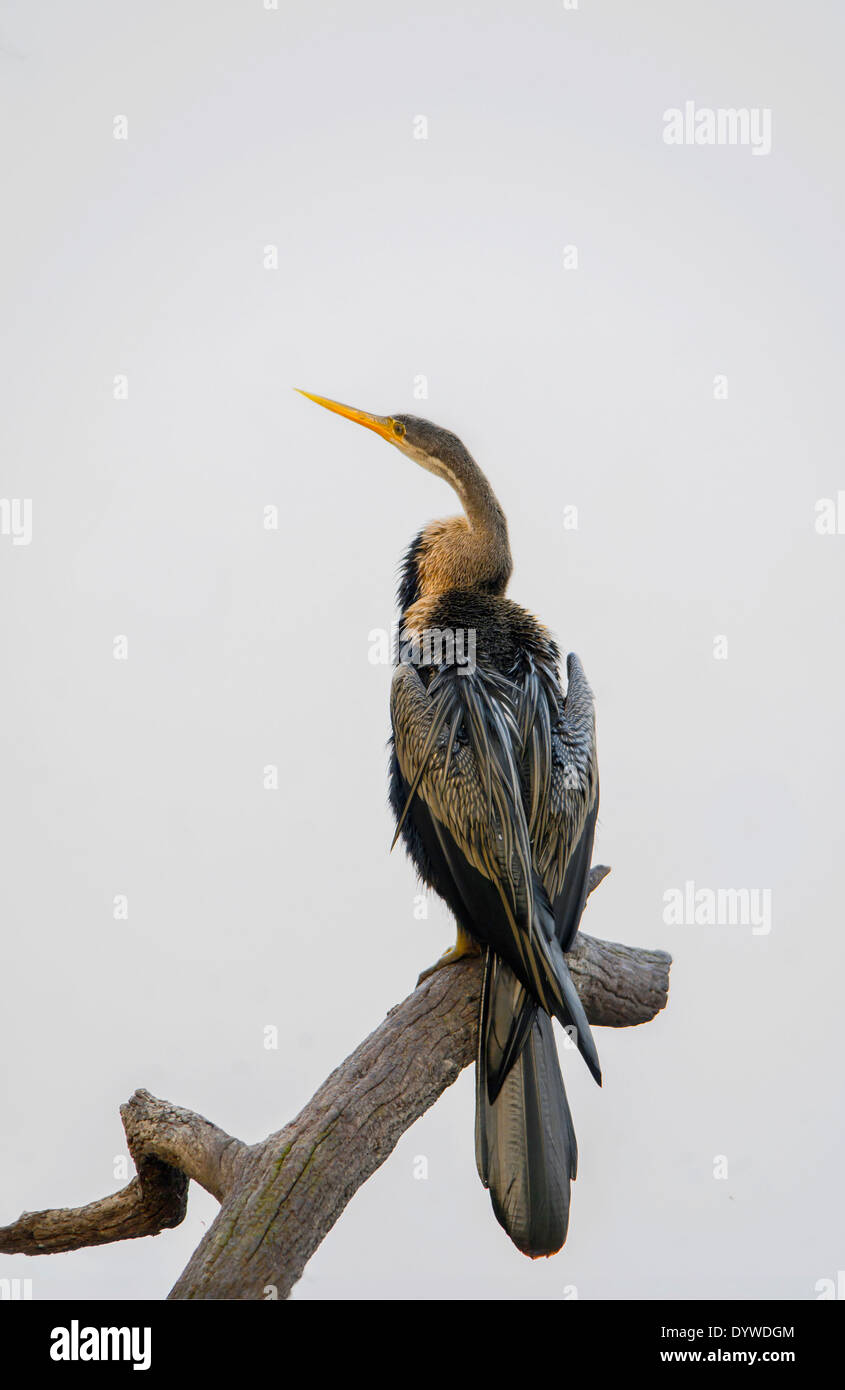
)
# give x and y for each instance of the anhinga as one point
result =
(494, 785)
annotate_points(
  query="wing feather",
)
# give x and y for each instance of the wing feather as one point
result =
(506, 772)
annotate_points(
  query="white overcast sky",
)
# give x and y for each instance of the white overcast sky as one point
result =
(590, 387)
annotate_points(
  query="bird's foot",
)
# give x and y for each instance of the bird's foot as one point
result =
(464, 946)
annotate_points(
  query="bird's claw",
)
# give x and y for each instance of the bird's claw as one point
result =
(464, 946)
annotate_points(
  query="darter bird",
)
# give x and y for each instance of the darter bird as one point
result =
(494, 784)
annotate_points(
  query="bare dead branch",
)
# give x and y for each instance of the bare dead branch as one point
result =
(169, 1146)
(279, 1198)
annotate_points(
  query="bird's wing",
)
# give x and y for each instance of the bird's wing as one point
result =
(461, 750)
(559, 738)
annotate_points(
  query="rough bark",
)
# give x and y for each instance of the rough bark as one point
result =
(280, 1198)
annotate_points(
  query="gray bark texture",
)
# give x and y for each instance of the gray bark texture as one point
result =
(280, 1198)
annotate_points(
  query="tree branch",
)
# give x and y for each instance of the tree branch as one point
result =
(281, 1197)
(169, 1146)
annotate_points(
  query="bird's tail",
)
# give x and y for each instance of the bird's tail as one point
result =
(525, 1144)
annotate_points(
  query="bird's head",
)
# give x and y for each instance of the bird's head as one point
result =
(429, 445)
(472, 549)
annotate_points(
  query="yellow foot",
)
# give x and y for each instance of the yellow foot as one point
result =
(464, 946)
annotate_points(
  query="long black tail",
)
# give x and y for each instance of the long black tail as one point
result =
(525, 1144)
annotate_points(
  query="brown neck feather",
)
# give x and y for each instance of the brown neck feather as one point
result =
(469, 551)
(459, 554)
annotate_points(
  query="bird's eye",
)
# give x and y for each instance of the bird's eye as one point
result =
(398, 428)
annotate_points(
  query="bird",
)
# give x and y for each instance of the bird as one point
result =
(495, 791)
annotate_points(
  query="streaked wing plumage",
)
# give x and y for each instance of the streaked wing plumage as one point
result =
(505, 770)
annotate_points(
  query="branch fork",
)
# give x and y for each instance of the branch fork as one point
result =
(280, 1198)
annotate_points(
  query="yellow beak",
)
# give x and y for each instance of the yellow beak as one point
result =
(382, 424)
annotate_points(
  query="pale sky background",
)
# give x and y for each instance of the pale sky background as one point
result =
(590, 388)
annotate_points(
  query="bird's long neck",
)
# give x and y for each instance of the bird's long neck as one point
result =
(470, 551)
(479, 501)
